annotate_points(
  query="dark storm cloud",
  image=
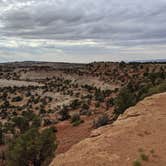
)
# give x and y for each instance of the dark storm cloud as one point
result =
(107, 23)
(86, 20)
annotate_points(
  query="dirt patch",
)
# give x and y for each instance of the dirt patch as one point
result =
(68, 135)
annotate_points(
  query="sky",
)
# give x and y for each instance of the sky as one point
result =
(82, 31)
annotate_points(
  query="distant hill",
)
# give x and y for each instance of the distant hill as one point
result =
(152, 60)
(57, 65)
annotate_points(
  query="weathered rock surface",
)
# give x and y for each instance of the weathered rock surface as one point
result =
(141, 129)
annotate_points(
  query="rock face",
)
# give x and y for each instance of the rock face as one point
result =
(140, 131)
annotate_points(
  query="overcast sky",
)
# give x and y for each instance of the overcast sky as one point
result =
(82, 30)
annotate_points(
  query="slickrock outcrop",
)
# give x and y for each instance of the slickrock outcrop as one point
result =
(139, 134)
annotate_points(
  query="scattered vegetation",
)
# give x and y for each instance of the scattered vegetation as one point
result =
(129, 96)
(24, 109)
(143, 157)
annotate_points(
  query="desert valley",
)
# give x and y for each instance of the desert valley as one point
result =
(82, 83)
(54, 113)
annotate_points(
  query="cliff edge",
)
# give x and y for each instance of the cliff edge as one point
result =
(137, 137)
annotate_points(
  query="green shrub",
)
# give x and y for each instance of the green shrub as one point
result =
(110, 102)
(64, 114)
(32, 147)
(17, 99)
(47, 122)
(75, 119)
(124, 100)
(42, 111)
(77, 123)
(137, 163)
(54, 129)
(85, 106)
(99, 96)
(8, 126)
(101, 121)
(154, 89)
(75, 104)
(1, 135)
(36, 122)
(144, 157)
(21, 122)
(97, 104)
(85, 112)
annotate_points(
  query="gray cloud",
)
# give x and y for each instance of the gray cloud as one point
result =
(107, 23)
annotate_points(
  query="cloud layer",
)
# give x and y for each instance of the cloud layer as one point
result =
(76, 31)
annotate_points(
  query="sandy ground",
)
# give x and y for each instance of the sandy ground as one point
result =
(141, 130)
(68, 135)
(81, 80)
(11, 83)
